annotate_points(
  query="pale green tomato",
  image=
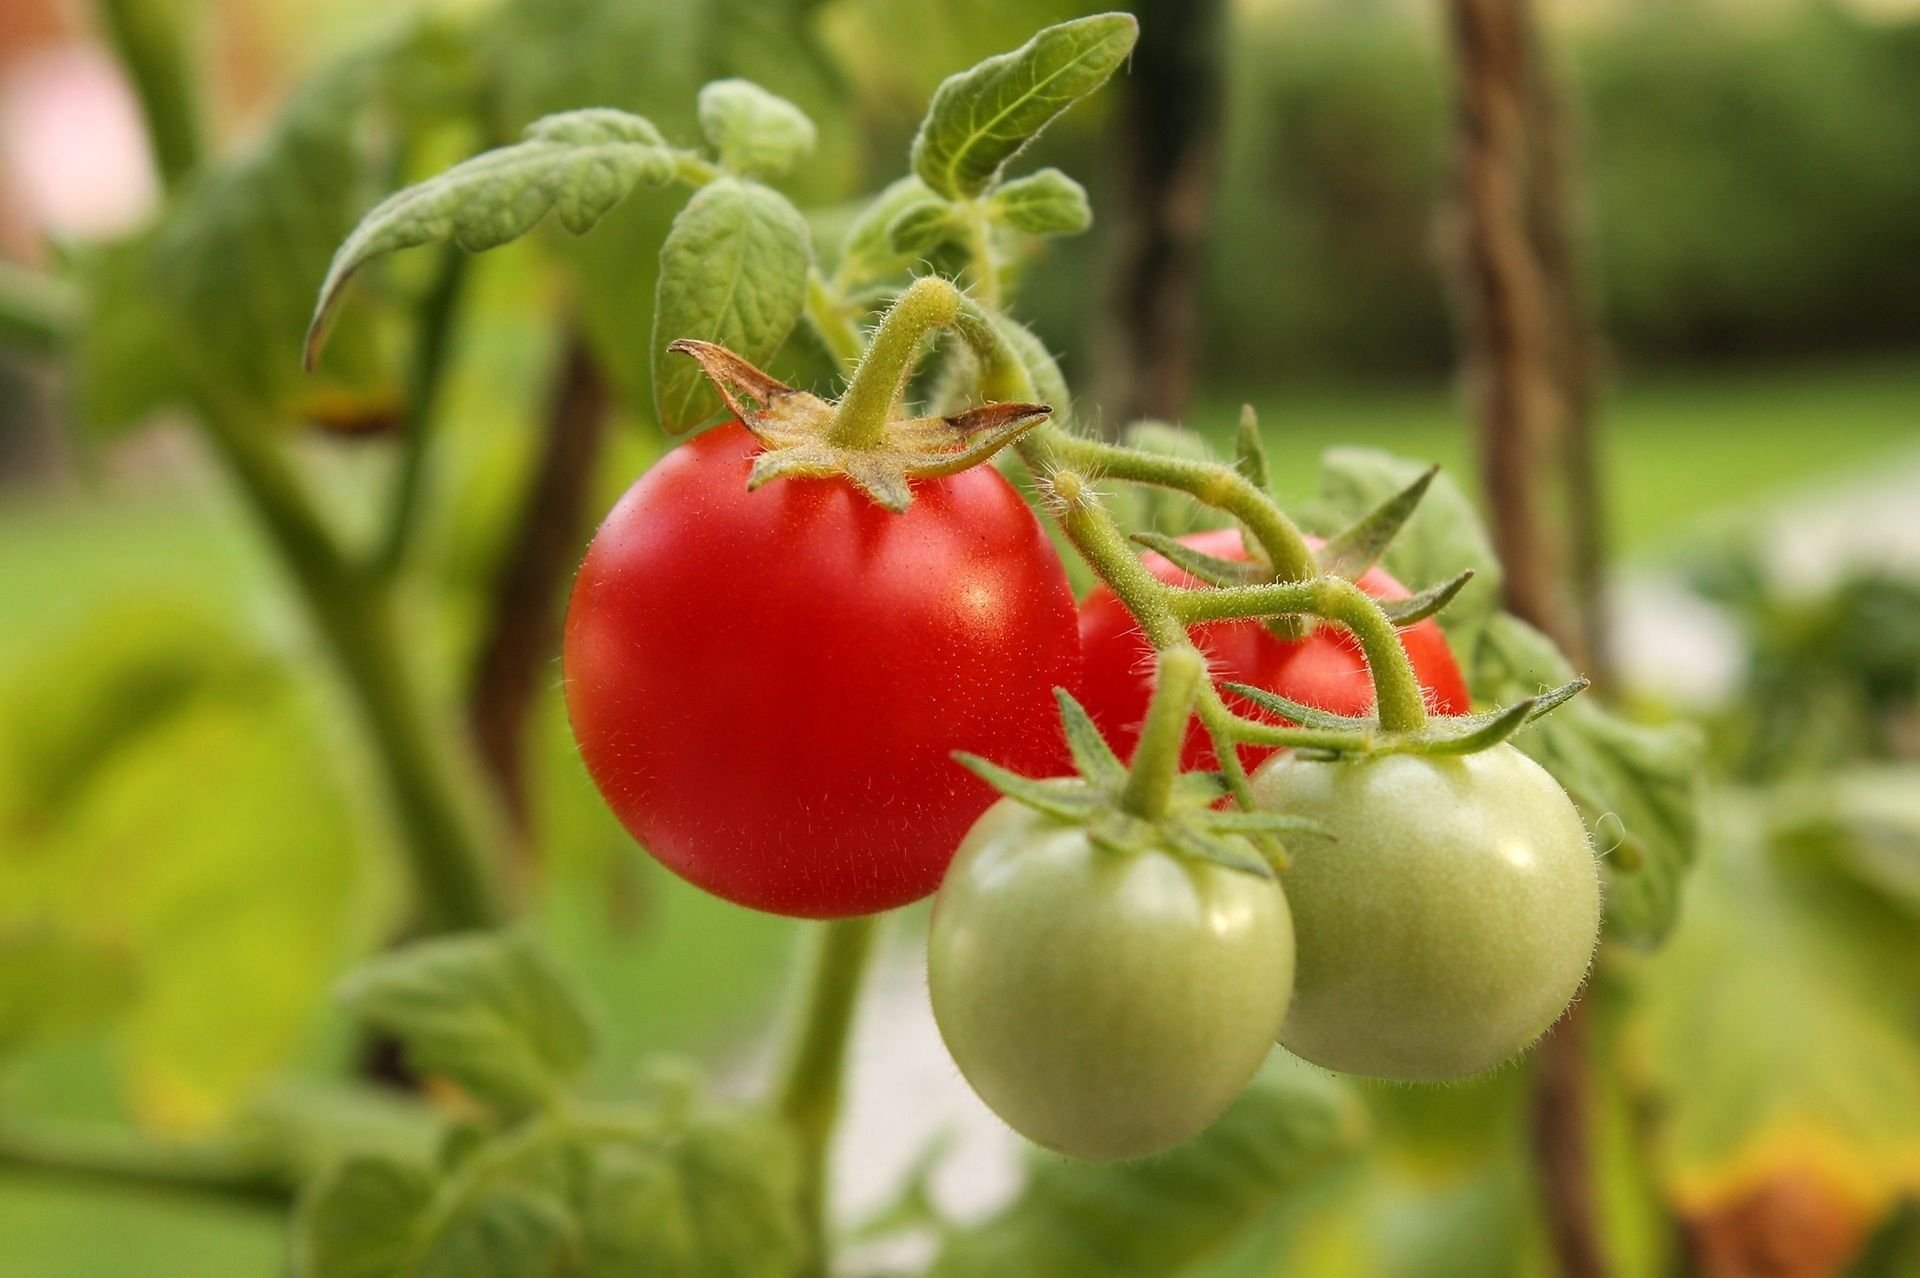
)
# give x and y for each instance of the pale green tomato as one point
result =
(1105, 1004)
(1450, 920)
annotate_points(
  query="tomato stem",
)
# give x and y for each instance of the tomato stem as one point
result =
(827, 313)
(1156, 759)
(807, 1093)
(861, 419)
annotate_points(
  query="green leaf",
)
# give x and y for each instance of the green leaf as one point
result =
(1867, 821)
(1440, 539)
(733, 271)
(718, 1199)
(485, 1010)
(578, 165)
(510, 1231)
(756, 133)
(1151, 1218)
(358, 1220)
(921, 227)
(1044, 203)
(981, 118)
(867, 252)
(1638, 786)
(54, 982)
(1250, 449)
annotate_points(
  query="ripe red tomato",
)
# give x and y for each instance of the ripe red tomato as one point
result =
(767, 687)
(1325, 669)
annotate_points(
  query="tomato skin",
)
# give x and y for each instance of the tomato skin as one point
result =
(1325, 669)
(767, 687)
(1451, 922)
(1106, 1005)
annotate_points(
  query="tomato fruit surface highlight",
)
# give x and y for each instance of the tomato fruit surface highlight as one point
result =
(1449, 922)
(1324, 669)
(768, 686)
(1104, 1004)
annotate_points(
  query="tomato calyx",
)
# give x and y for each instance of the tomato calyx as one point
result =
(863, 438)
(1322, 733)
(1150, 807)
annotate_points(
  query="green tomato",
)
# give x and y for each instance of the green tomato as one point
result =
(1449, 921)
(1105, 1004)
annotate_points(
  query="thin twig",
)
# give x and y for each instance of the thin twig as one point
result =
(524, 626)
(228, 1172)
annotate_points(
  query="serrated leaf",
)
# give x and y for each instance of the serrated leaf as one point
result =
(577, 165)
(1046, 202)
(983, 117)
(487, 1011)
(1440, 539)
(1153, 1218)
(756, 133)
(719, 1199)
(1639, 787)
(1211, 569)
(358, 1220)
(921, 227)
(733, 271)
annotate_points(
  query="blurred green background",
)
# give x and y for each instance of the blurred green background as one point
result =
(192, 849)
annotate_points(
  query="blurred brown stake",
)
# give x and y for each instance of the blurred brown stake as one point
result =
(1167, 147)
(1527, 358)
(522, 640)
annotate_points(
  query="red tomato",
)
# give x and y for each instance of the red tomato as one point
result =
(768, 686)
(1325, 669)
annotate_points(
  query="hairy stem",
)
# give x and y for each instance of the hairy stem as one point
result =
(807, 1092)
(827, 313)
(1156, 759)
(927, 304)
(153, 42)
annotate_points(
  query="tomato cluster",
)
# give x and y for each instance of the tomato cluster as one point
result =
(768, 685)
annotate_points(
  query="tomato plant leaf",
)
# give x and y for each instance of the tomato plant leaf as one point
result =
(358, 1219)
(867, 251)
(921, 227)
(733, 271)
(1639, 783)
(486, 1011)
(1442, 536)
(1046, 202)
(577, 165)
(504, 1231)
(756, 133)
(983, 117)
(1151, 1218)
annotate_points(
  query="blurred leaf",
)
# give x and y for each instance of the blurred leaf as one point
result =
(1864, 822)
(487, 1011)
(1150, 1218)
(1639, 787)
(1778, 1037)
(983, 117)
(1442, 537)
(921, 227)
(52, 983)
(358, 1220)
(578, 165)
(732, 271)
(757, 134)
(1047, 202)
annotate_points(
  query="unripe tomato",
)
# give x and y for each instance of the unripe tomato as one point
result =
(768, 686)
(1105, 1004)
(1449, 921)
(1324, 669)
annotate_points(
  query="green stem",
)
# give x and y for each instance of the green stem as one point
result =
(1400, 702)
(441, 306)
(1156, 759)
(38, 312)
(807, 1094)
(447, 844)
(116, 1160)
(828, 315)
(861, 419)
(986, 261)
(152, 40)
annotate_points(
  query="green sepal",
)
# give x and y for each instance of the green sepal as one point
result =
(1234, 822)
(1358, 547)
(1418, 607)
(1091, 754)
(1189, 838)
(1299, 711)
(1064, 797)
(1338, 734)
(1250, 449)
(1211, 569)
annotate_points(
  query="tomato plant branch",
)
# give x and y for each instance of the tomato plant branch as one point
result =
(228, 1172)
(828, 313)
(151, 41)
(1156, 758)
(435, 329)
(37, 312)
(807, 1091)
(860, 421)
